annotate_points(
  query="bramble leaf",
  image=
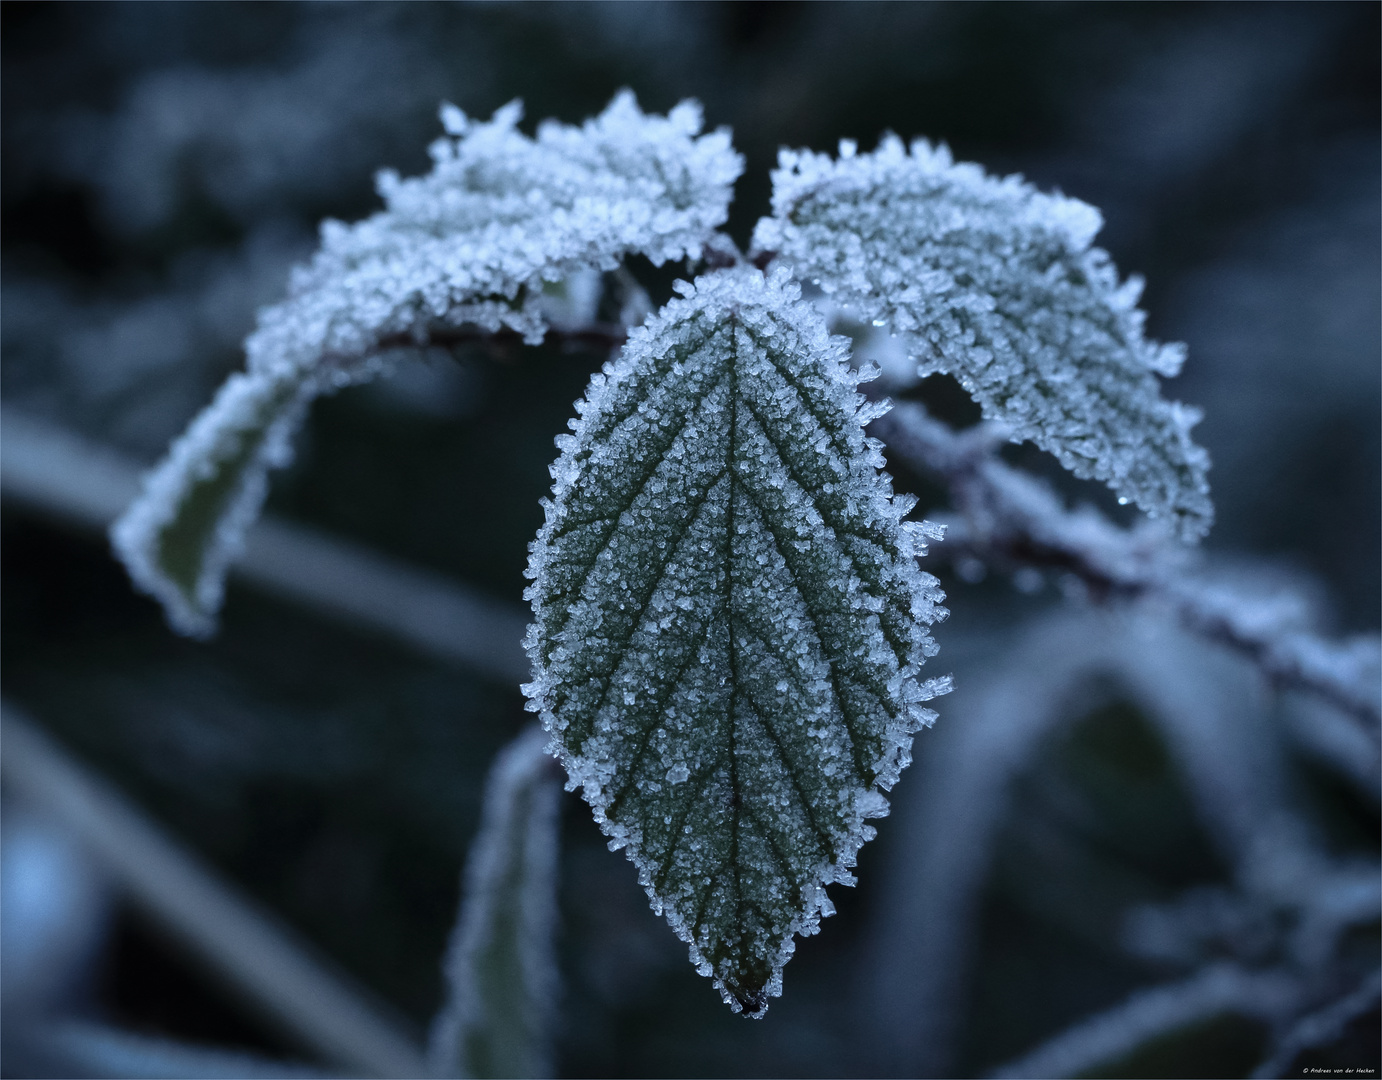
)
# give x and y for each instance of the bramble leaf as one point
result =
(729, 620)
(996, 283)
(179, 537)
(480, 240)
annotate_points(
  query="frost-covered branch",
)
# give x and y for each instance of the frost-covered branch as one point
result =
(1321, 1027)
(1010, 519)
(256, 956)
(1104, 1038)
(729, 619)
(594, 335)
(61, 474)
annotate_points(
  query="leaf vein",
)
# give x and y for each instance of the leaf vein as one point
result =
(636, 620)
(643, 482)
(612, 806)
(812, 610)
(899, 648)
(825, 837)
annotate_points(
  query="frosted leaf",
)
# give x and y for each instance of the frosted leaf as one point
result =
(501, 964)
(996, 283)
(730, 621)
(179, 537)
(499, 216)
(506, 231)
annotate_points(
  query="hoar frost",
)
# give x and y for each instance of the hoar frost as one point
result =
(996, 284)
(477, 241)
(729, 620)
(730, 623)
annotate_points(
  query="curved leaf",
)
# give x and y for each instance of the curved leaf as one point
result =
(730, 620)
(996, 283)
(479, 240)
(180, 536)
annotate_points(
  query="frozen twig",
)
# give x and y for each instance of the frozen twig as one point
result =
(606, 336)
(63, 475)
(1320, 1028)
(96, 1050)
(1009, 519)
(1108, 1036)
(245, 945)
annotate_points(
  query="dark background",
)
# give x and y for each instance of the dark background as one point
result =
(164, 165)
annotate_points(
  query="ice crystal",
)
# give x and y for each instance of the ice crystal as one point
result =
(481, 239)
(500, 215)
(729, 620)
(996, 283)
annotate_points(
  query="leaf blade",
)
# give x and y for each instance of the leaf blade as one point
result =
(708, 652)
(993, 282)
(478, 240)
(180, 536)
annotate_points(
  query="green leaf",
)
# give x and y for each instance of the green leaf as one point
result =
(476, 241)
(182, 533)
(996, 283)
(730, 620)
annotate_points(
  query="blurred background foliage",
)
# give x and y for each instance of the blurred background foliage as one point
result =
(165, 164)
